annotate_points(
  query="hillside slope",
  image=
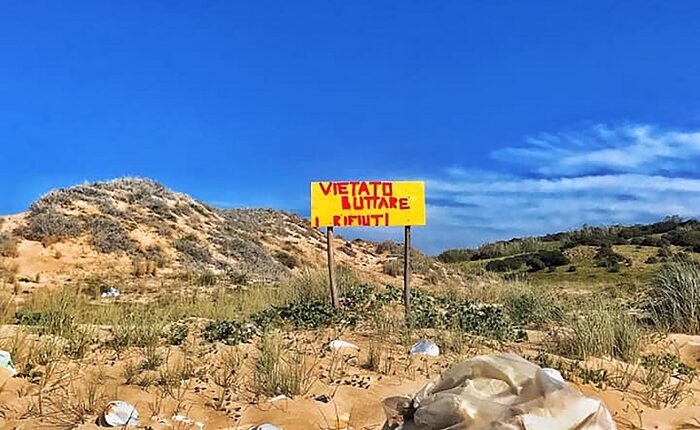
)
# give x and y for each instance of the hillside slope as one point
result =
(617, 255)
(138, 227)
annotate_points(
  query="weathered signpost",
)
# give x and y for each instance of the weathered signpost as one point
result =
(368, 204)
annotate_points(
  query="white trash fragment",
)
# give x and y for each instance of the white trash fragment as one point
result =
(502, 391)
(159, 420)
(186, 420)
(119, 414)
(111, 292)
(338, 344)
(265, 427)
(278, 398)
(6, 362)
(425, 347)
(181, 418)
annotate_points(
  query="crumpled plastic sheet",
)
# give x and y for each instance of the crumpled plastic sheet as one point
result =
(500, 392)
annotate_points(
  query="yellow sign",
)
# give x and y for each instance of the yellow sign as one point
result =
(367, 203)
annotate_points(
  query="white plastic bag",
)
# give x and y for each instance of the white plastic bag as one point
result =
(503, 392)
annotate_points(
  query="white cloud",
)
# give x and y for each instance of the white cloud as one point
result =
(631, 148)
(602, 175)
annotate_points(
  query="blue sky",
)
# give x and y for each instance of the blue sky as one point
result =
(522, 117)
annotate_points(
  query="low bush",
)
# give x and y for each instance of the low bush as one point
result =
(190, 247)
(392, 268)
(453, 312)
(535, 264)
(535, 261)
(310, 314)
(455, 255)
(49, 226)
(606, 257)
(108, 235)
(507, 248)
(287, 260)
(669, 363)
(8, 245)
(178, 334)
(506, 264)
(229, 332)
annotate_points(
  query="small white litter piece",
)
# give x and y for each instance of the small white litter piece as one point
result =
(187, 420)
(159, 420)
(278, 398)
(265, 427)
(111, 292)
(119, 414)
(425, 347)
(6, 362)
(338, 344)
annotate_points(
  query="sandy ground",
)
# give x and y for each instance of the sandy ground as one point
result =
(354, 394)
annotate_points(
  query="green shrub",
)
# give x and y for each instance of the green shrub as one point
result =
(669, 363)
(674, 299)
(178, 334)
(553, 258)
(455, 255)
(507, 248)
(606, 257)
(535, 261)
(453, 312)
(506, 264)
(228, 332)
(535, 264)
(310, 314)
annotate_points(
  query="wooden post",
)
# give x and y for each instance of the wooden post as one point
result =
(407, 271)
(331, 265)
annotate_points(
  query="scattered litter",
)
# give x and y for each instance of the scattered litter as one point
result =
(425, 347)
(341, 344)
(278, 398)
(111, 292)
(6, 362)
(265, 427)
(323, 398)
(159, 420)
(501, 391)
(186, 420)
(119, 414)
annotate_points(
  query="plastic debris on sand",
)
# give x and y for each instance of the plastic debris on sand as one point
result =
(119, 414)
(338, 344)
(111, 292)
(425, 347)
(6, 362)
(501, 391)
